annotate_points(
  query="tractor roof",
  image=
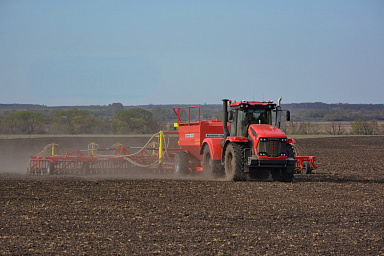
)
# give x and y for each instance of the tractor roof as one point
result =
(252, 104)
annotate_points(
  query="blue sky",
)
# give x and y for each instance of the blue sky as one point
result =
(191, 52)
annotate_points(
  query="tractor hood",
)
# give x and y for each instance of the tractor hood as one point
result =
(265, 131)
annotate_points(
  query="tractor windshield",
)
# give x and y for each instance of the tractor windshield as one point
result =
(244, 118)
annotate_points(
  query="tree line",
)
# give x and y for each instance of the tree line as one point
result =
(141, 121)
(357, 127)
(75, 121)
(340, 114)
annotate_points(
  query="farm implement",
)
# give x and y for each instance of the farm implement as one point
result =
(117, 159)
(248, 144)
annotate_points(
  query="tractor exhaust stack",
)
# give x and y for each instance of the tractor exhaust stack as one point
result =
(225, 121)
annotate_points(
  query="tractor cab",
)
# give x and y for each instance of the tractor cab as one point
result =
(244, 113)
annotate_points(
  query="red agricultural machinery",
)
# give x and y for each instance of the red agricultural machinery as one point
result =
(244, 146)
(117, 159)
(248, 144)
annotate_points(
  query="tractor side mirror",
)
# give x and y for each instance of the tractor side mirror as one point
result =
(288, 116)
(230, 116)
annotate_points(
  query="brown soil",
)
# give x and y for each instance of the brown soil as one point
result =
(336, 210)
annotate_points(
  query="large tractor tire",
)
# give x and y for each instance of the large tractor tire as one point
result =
(287, 174)
(234, 162)
(181, 163)
(212, 168)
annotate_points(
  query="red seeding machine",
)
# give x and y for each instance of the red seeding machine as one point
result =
(247, 145)
(117, 159)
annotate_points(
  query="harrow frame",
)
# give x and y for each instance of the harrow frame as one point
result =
(157, 156)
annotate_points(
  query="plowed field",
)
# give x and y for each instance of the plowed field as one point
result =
(336, 210)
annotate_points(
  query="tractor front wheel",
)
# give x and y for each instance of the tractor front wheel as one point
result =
(287, 174)
(234, 162)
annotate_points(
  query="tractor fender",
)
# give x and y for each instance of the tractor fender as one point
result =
(238, 139)
(235, 139)
(290, 140)
(224, 149)
(214, 147)
(228, 141)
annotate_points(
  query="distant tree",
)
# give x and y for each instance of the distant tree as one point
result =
(360, 127)
(82, 124)
(71, 121)
(334, 128)
(290, 127)
(140, 113)
(22, 122)
(134, 120)
(300, 128)
(308, 128)
(116, 106)
(102, 126)
(112, 108)
(138, 125)
(165, 115)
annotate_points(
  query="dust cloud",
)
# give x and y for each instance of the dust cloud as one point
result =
(16, 152)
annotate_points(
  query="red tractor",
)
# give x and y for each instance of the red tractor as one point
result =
(248, 144)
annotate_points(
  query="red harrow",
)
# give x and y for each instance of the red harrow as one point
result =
(116, 159)
(305, 164)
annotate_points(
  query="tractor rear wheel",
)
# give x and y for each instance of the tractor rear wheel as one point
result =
(181, 163)
(212, 168)
(234, 162)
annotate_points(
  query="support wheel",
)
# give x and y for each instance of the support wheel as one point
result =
(212, 168)
(85, 169)
(307, 169)
(50, 168)
(234, 162)
(181, 163)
